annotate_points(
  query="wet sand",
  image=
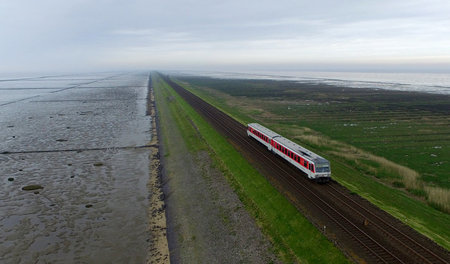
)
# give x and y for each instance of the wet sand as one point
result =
(84, 140)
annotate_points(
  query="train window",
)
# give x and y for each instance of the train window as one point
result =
(323, 167)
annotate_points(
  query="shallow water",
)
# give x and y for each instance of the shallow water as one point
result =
(78, 141)
(436, 83)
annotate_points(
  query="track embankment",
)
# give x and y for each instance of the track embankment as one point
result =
(364, 232)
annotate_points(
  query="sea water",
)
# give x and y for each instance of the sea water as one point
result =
(437, 83)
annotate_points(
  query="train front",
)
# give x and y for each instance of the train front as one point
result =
(323, 170)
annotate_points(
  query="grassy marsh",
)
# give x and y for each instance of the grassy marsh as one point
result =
(390, 147)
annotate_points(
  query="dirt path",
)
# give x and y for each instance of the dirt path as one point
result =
(207, 223)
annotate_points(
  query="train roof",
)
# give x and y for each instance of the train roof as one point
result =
(289, 144)
(264, 130)
(301, 150)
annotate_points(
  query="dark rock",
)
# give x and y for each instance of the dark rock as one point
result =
(32, 187)
(61, 140)
(88, 205)
(98, 164)
(11, 179)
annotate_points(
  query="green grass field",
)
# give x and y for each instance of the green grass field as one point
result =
(293, 236)
(389, 147)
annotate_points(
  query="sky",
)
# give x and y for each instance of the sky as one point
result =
(325, 35)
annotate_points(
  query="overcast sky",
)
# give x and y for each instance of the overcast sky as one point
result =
(84, 35)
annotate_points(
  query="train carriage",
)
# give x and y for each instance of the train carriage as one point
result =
(315, 166)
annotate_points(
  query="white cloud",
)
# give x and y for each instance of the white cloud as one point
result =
(118, 33)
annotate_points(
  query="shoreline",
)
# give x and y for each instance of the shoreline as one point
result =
(429, 83)
(159, 249)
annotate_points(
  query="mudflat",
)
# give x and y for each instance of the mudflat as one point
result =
(74, 168)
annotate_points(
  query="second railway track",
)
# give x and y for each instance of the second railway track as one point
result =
(362, 230)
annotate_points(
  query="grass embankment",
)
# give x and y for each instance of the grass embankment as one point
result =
(372, 138)
(293, 236)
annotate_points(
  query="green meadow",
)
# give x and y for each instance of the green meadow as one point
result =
(390, 147)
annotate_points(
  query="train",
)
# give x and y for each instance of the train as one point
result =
(314, 166)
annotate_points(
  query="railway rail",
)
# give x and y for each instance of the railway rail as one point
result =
(364, 232)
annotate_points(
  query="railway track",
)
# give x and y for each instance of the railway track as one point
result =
(364, 232)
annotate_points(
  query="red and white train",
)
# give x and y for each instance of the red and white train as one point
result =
(315, 166)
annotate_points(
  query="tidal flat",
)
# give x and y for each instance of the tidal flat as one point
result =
(74, 169)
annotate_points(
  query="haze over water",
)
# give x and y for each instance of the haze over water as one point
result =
(437, 83)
